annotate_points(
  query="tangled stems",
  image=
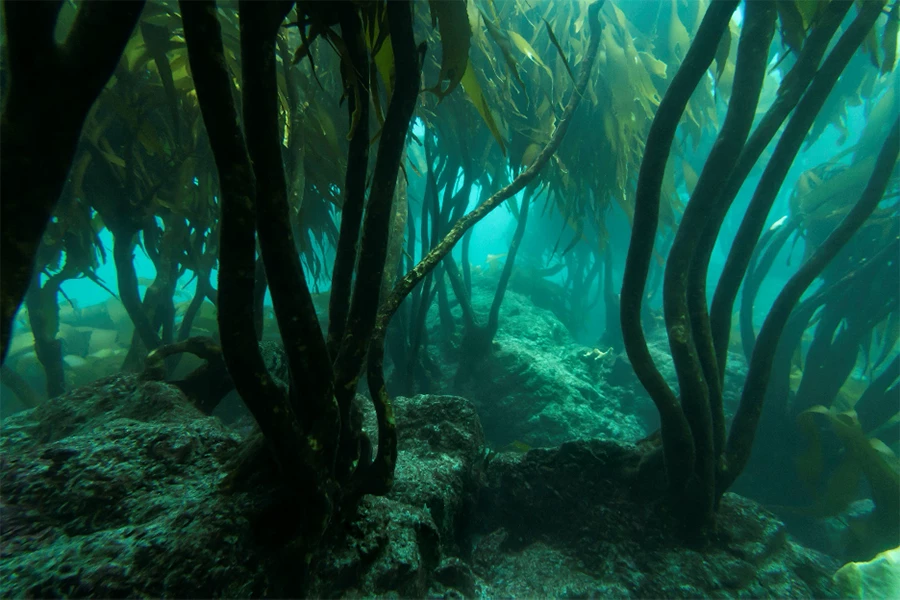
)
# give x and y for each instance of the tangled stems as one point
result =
(678, 446)
(743, 428)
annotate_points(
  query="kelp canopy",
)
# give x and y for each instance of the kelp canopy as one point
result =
(513, 67)
(288, 146)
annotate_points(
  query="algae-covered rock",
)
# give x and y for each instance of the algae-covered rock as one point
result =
(565, 522)
(538, 386)
(114, 490)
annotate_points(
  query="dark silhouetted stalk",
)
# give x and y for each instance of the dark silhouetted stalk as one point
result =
(678, 445)
(304, 343)
(768, 249)
(776, 171)
(43, 316)
(743, 428)
(692, 350)
(790, 91)
(357, 90)
(237, 247)
(51, 89)
(378, 476)
(127, 280)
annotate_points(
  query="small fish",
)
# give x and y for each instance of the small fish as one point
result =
(516, 446)
(778, 223)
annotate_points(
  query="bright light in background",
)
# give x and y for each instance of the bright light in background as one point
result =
(737, 17)
(84, 292)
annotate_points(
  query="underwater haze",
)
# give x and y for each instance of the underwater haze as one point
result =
(450, 298)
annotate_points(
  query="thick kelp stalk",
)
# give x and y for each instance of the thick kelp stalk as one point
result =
(356, 86)
(317, 442)
(301, 457)
(383, 467)
(51, 89)
(379, 209)
(776, 170)
(792, 88)
(701, 396)
(295, 313)
(373, 250)
(743, 428)
(237, 223)
(678, 445)
(700, 464)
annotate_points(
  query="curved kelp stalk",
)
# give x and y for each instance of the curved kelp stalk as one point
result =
(355, 181)
(43, 317)
(678, 444)
(51, 89)
(844, 323)
(206, 385)
(777, 168)
(383, 466)
(781, 409)
(743, 428)
(319, 446)
(769, 247)
(699, 464)
(373, 252)
(698, 381)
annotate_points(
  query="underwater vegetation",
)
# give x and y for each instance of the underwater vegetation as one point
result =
(311, 175)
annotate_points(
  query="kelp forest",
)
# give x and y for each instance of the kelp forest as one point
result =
(671, 226)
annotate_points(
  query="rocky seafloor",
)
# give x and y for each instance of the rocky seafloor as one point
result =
(114, 490)
(540, 387)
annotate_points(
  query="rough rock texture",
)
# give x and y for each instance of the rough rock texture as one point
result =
(114, 490)
(564, 523)
(398, 541)
(537, 387)
(540, 388)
